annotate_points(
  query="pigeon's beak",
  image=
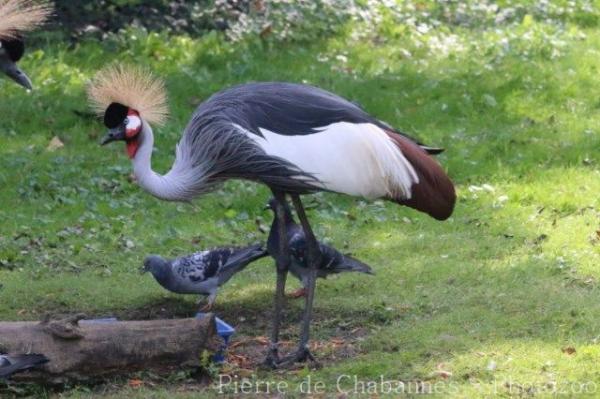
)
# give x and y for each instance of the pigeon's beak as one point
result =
(15, 73)
(266, 207)
(115, 134)
(143, 269)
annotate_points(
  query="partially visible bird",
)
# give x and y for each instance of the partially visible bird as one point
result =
(16, 18)
(202, 272)
(332, 260)
(11, 364)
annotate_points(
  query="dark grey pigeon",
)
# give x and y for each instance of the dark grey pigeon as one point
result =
(10, 365)
(332, 260)
(202, 272)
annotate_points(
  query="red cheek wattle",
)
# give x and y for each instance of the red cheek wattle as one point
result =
(131, 133)
(132, 130)
(132, 147)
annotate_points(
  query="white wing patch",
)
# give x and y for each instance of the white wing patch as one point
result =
(350, 158)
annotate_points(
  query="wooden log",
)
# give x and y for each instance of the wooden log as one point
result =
(82, 350)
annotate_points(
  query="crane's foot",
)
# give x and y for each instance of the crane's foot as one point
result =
(272, 359)
(302, 355)
(299, 293)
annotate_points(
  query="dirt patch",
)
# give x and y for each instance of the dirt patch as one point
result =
(335, 336)
(246, 354)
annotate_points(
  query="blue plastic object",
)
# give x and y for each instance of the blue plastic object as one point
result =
(225, 331)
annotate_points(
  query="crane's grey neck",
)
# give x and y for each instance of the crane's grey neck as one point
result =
(171, 186)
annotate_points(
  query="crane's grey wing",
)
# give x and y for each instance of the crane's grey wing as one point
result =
(293, 109)
(288, 108)
(214, 149)
(216, 145)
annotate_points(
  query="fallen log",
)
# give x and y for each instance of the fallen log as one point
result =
(81, 350)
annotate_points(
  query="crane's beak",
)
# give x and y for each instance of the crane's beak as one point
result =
(15, 73)
(114, 134)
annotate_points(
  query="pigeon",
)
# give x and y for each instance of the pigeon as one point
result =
(17, 363)
(332, 261)
(202, 272)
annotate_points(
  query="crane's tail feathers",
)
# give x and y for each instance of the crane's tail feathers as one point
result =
(20, 363)
(432, 150)
(351, 264)
(434, 193)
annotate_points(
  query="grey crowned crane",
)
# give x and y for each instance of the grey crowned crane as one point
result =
(16, 18)
(294, 138)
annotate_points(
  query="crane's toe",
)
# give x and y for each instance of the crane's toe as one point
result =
(302, 355)
(272, 359)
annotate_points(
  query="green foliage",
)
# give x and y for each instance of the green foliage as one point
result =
(279, 20)
(90, 17)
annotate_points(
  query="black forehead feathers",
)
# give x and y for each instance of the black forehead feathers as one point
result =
(14, 48)
(114, 115)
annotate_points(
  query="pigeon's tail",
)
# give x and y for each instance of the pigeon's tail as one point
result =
(240, 259)
(14, 364)
(353, 265)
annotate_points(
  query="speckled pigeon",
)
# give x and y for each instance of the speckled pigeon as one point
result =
(332, 261)
(202, 272)
(10, 364)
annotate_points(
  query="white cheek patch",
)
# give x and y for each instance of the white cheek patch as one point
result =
(134, 123)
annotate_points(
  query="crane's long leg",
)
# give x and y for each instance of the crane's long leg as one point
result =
(313, 258)
(282, 262)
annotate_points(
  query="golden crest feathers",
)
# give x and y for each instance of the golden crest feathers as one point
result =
(18, 16)
(132, 86)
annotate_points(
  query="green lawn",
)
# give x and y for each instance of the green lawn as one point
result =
(492, 301)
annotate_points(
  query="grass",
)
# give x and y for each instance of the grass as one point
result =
(490, 302)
